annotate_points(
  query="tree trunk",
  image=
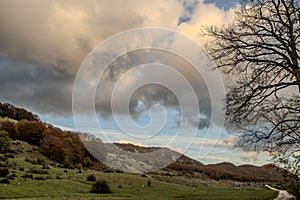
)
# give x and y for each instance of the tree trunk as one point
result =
(297, 74)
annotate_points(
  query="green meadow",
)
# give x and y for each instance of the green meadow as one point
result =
(61, 183)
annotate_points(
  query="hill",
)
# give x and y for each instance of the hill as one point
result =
(67, 148)
(25, 173)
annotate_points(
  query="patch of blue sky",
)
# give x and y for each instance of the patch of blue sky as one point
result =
(189, 8)
(63, 122)
(223, 4)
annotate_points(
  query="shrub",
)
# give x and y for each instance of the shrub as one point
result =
(9, 127)
(27, 175)
(101, 187)
(294, 187)
(91, 177)
(38, 171)
(45, 166)
(12, 176)
(4, 171)
(87, 162)
(32, 161)
(149, 183)
(40, 178)
(5, 181)
(4, 141)
(40, 161)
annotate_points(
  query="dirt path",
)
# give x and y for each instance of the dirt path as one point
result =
(283, 195)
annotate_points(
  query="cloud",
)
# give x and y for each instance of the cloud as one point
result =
(43, 89)
(42, 45)
(130, 142)
(251, 156)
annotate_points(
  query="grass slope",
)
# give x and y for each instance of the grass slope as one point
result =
(60, 183)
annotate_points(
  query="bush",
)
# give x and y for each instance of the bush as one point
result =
(12, 177)
(32, 161)
(91, 177)
(40, 178)
(4, 141)
(9, 127)
(294, 188)
(45, 166)
(27, 175)
(38, 171)
(5, 181)
(40, 161)
(100, 187)
(149, 183)
(4, 171)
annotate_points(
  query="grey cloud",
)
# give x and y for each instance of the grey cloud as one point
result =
(42, 44)
(49, 33)
(47, 90)
(151, 94)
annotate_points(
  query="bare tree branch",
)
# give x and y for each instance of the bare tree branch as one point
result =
(260, 53)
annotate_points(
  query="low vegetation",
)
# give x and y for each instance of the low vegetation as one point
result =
(28, 180)
(4, 141)
(37, 155)
(101, 187)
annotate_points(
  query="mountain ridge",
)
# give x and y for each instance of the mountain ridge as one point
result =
(46, 136)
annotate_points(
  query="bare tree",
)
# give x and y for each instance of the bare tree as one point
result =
(260, 53)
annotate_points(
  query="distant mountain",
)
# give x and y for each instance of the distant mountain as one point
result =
(144, 159)
(218, 171)
(65, 147)
(249, 172)
(181, 157)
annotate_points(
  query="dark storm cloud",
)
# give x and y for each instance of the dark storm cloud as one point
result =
(47, 90)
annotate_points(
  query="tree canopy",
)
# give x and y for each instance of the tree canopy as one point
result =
(260, 53)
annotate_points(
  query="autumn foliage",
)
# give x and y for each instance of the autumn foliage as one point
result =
(30, 131)
(223, 174)
(64, 147)
(10, 111)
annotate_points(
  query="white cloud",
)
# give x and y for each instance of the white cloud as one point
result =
(130, 142)
(252, 156)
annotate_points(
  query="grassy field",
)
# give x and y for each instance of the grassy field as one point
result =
(60, 183)
(133, 187)
(73, 185)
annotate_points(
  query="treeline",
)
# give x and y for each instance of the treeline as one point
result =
(218, 174)
(64, 147)
(10, 111)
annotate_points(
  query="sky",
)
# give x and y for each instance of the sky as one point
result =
(44, 43)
